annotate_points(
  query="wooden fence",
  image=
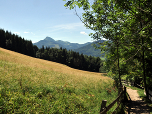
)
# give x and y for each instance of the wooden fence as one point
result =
(122, 96)
(126, 82)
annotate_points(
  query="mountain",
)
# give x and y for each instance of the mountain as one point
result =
(90, 50)
(86, 48)
(50, 42)
(70, 46)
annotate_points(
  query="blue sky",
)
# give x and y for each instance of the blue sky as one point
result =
(36, 19)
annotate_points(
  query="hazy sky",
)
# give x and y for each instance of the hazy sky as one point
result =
(36, 19)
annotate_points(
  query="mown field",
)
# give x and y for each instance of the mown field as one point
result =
(31, 85)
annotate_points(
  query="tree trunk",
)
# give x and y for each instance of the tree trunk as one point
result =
(144, 75)
(118, 65)
(143, 58)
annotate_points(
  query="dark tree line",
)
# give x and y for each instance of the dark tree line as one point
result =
(68, 57)
(16, 43)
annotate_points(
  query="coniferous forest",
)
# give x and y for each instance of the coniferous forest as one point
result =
(68, 57)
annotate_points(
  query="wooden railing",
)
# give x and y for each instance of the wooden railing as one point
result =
(131, 83)
(122, 95)
(126, 82)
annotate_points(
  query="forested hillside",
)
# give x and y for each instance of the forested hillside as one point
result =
(70, 58)
(90, 50)
(16, 43)
(73, 59)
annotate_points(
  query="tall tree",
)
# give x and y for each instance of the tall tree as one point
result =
(2, 38)
(103, 19)
(128, 24)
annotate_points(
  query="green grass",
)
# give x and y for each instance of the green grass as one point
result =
(28, 89)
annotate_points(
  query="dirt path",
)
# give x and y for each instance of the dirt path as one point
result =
(137, 106)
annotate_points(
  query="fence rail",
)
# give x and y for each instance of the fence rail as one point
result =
(122, 95)
(126, 82)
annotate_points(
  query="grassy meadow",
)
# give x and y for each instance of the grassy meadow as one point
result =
(31, 85)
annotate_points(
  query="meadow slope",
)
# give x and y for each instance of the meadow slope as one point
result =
(31, 85)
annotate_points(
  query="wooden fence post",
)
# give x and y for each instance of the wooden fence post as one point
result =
(119, 91)
(127, 82)
(103, 105)
(125, 97)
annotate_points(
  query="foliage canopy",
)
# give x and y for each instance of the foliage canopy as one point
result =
(127, 26)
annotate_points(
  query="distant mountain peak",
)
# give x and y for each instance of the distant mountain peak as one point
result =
(49, 39)
(50, 42)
